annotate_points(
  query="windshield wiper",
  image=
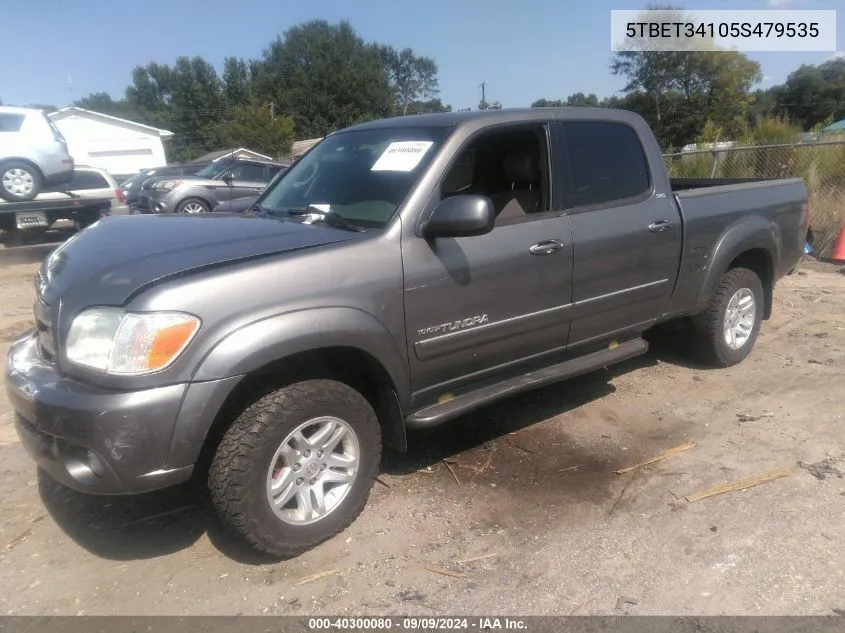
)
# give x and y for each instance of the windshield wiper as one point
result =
(331, 218)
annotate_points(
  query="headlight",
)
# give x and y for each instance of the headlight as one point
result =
(129, 343)
(167, 185)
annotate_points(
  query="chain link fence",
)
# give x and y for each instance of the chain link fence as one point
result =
(821, 165)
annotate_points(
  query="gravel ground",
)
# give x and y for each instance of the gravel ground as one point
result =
(534, 493)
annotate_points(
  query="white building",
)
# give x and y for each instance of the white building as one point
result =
(119, 146)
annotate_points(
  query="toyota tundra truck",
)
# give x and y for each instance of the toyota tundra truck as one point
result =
(402, 273)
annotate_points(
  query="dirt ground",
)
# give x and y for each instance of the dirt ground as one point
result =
(533, 492)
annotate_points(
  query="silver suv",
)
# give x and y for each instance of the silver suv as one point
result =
(33, 154)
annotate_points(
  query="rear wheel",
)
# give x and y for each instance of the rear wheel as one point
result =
(19, 181)
(297, 466)
(728, 328)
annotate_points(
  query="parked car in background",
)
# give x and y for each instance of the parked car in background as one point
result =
(221, 181)
(89, 183)
(33, 154)
(131, 187)
(239, 205)
(91, 194)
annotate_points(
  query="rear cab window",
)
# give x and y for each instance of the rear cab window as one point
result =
(607, 164)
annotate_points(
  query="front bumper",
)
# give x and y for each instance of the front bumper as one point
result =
(156, 202)
(88, 438)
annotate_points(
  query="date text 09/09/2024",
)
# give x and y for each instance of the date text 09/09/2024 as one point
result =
(655, 30)
(417, 624)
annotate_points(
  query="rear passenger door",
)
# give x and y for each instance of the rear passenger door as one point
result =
(626, 236)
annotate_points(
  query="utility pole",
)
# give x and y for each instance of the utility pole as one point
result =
(484, 91)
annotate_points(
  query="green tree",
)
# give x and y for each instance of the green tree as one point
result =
(324, 76)
(101, 102)
(254, 126)
(548, 103)
(237, 77)
(424, 107)
(580, 100)
(186, 98)
(811, 94)
(685, 88)
(413, 78)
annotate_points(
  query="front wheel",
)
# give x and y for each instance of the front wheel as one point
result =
(297, 466)
(193, 206)
(727, 329)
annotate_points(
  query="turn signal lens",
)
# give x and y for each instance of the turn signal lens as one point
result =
(149, 342)
(133, 343)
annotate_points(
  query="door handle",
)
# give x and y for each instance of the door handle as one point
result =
(659, 226)
(546, 247)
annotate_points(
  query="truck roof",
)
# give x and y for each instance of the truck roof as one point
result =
(489, 117)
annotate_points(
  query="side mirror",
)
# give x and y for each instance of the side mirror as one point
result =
(228, 178)
(461, 216)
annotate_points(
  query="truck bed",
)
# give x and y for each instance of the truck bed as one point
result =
(711, 208)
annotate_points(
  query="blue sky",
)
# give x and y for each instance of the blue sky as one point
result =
(523, 50)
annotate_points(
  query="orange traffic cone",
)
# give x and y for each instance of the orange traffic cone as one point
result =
(837, 255)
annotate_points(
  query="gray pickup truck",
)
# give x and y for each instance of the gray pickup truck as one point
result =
(403, 272)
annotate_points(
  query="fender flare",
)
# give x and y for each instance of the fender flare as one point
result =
(750, 234)
(275, 338)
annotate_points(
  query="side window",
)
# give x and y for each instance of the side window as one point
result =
(11, 122)
(249, 171)
(274, 170)
(607, 163)
(508, 166)
(83, 180)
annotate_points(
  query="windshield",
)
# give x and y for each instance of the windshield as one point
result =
(214, 169)
(362, 175)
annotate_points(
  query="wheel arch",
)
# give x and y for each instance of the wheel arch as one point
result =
(344, 344)
(20, 159)
(751, 244)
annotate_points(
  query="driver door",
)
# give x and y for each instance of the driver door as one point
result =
(481, 305)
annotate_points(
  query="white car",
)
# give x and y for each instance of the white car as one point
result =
(33, 154)
(93, 183)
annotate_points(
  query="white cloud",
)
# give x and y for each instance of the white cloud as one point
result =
(836, 55)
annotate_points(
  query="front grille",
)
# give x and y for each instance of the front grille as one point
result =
(43, 323)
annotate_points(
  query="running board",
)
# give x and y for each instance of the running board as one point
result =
(444, 411)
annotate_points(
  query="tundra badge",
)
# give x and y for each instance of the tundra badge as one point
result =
(454, 326)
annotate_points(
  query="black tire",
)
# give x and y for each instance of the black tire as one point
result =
(238, 473)
(191, 201)
(708, 328)
(32, 172)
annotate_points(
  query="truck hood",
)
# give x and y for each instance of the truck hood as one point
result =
(113, 259)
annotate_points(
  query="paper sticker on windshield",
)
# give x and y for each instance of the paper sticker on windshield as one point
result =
(402, 156)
